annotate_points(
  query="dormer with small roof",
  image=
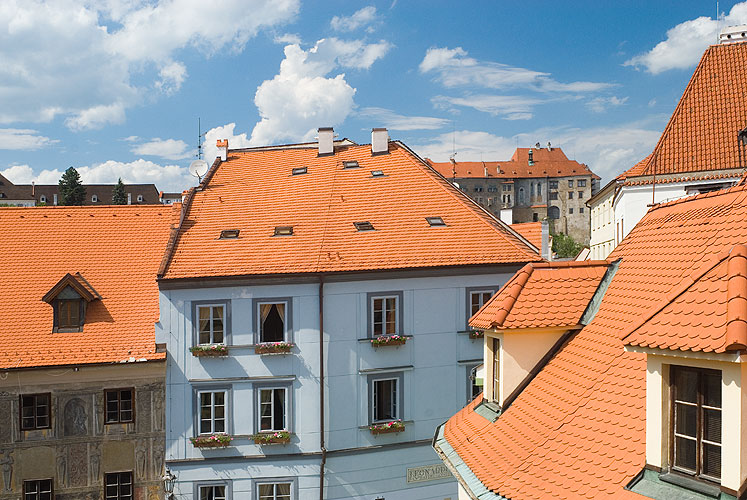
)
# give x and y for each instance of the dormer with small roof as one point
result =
(69, 299)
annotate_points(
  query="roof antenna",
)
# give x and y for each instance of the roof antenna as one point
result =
(200, 135)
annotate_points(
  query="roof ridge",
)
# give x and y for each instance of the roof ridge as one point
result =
(458, 195)
(513, 287)
(736, 299)
(570, 263)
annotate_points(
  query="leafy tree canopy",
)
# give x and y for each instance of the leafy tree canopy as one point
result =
(119, 197)
(72, 191)
(564, 246)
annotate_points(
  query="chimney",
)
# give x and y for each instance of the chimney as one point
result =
(326, 141)
(531, 157)
(379, 141)
(223, 149)
(732, 34)
(55, 199)
(549, 146)
(33, 191)
(545, 251)
(129, 198)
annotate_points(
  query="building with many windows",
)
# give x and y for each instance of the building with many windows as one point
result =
(82, 384)
(535, 184)
(618, 378)
(701, 149)
(315, 317)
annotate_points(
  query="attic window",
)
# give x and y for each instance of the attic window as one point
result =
(228, 234)
(363, 226)
(377, 173)
(435, 221)
(350, 164)
(94, 199)
(140, 198)
(299, 171)
(283, 230)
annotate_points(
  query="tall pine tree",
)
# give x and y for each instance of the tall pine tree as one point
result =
(119, 197)
(72, 191)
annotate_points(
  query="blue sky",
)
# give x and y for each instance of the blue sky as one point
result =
(115, 87)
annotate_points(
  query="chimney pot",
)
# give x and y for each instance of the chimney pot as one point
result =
(326, 141)
(223, 149)
(531, 157)
(379, 141)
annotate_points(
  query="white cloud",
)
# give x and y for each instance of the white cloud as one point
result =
(82, 59)
(165, 177)
(602, 104)
(686, 42)
(131, 138)
(302, 97)
(393, 121)
(607, 150)
(169, 148)
(509, 107)
(360, 18)
(23, 139)
(235, 141)
(453, 68)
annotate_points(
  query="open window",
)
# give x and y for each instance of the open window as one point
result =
(273, 320)
(385, 397)
(273, 409)
(69, 299)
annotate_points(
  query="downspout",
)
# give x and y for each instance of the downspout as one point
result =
(321, 388)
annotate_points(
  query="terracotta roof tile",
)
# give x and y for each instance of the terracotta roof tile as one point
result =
(543, 295)
(254, 191)
(702, 132)
(547, 163)
(531, 231)
(114, 250)
(580, 423)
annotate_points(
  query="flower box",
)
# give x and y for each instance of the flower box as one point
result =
(387, 427)
(476, 334)
(280, 437)
(273, 348)
(209, 350)
(387, 340)
(211, 441)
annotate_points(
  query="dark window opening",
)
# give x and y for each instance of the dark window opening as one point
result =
(377, 173)
(384, 316)
(283, 230)
(363, 226)
(553, 213)
(435, 221)
(35, 411)
(299, 171)
(272, 322)
(229, 234)
(118, 485)
(68, 313)
(385, 400)
(212, 493)
(40, 489)
(119, 406)
(350, 164)
(535, 217)
(272, 410)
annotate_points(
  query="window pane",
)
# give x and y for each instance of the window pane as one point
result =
(684, 453)
(217, 324)
(279, 409)
(712, 389)
(712, 460)
(219, 493)
(283, 491)
(686, 385)
(686, 419)
(204, 324)
(266, 491)
(378, 316)
(712, 425)
(383, 398)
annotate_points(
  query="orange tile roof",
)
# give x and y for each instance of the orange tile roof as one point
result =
(547, 163)
(543, 295)
(702, 132)
(113, 252)
(254, 191)
(578, 429)
(531, 231)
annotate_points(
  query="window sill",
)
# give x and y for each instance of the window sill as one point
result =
(690, 483)
(273, 348)
(211, 441)
(270, 438)
(387, 340)
(209, 350)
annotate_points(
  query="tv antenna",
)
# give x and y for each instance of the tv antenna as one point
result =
(200, 135)
(198, 168)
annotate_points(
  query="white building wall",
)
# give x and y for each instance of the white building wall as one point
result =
(434, 367)
(602, 227)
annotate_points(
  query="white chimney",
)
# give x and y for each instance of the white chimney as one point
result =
(223, 149)
(55, 199)
(326, 141)
(732, 34)
(379, 141)
(545, 250)
(129, 198)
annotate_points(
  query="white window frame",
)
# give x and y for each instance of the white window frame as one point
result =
(397, 312)
(474, 291)
(396, 398)
(211, 306)
(226, 491)
(118, 485)
(226, 413)
(275, 484)
(140, 198)
(287, 321)
(286, 407)
(94, 199)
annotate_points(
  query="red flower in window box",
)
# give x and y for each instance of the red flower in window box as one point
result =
(476, 334)
(273, 348)
(211, 441)
(386, 340)
(387, 427)
(209, 350)
(279, 437)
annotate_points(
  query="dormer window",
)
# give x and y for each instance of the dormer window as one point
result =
(69, 299)
(140, 198)
(94, 199)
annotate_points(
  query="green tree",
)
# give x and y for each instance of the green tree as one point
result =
(118, 194)
(564, 246)
(72, 191)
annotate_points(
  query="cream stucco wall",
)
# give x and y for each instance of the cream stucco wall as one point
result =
(733, 418)
(602, 227)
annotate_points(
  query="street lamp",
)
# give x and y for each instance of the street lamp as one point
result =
(168, 483)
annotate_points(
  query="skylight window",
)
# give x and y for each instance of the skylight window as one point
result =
(228, 234)
(283, 230)
(299, 171)
(363, 226)
(350, 164)
(435, 221)
(377, 173)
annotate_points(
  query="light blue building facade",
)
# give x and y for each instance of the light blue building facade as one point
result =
(300, 419)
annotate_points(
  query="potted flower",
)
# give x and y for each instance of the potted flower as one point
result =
(219, 440)
(476, 334)
(277, 437)
(273, 348)
(387, 427)
(386, 340)
(209, 350)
